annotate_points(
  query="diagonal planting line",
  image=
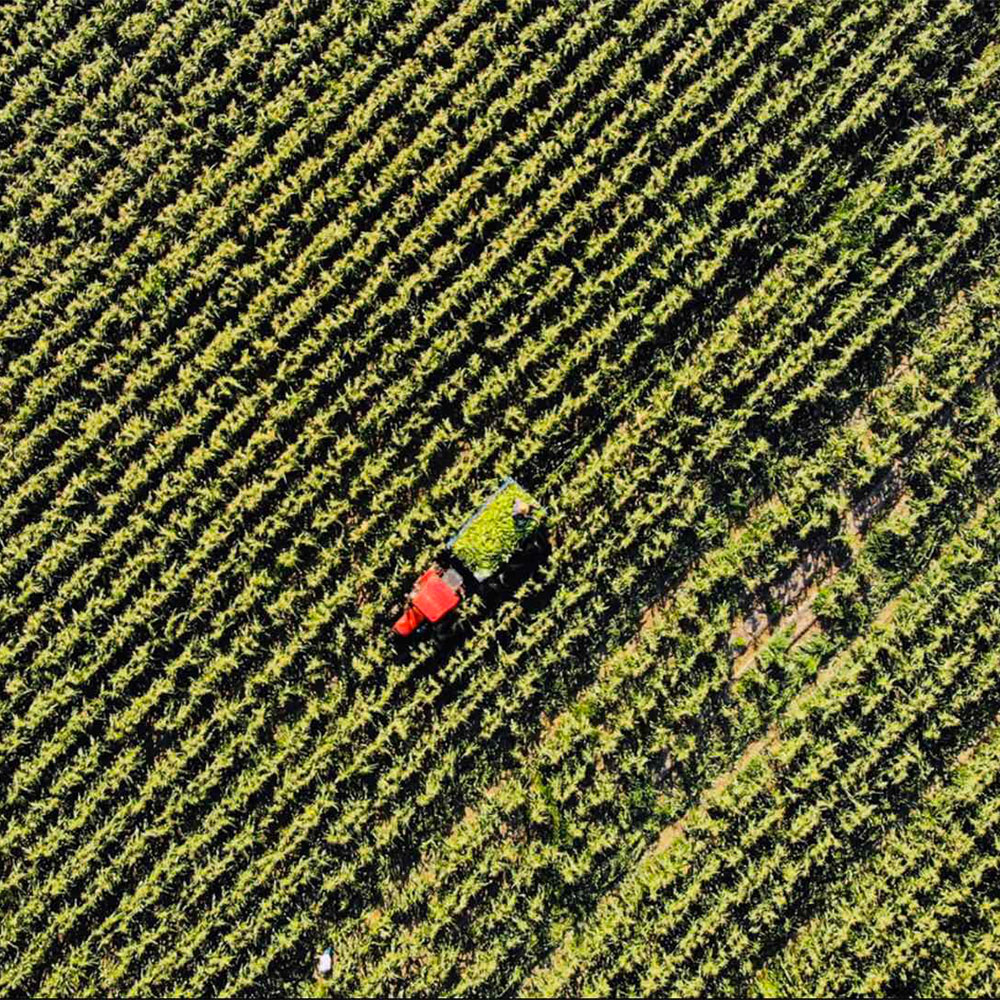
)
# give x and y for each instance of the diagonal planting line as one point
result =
(544, 981)
(555, 727)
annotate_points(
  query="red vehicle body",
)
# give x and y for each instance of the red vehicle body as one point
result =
(434, 595)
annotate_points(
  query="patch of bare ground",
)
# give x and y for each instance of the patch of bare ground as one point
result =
(768, 741)
(670, 833)
(802, 620)
(969, 752)
(796, 593)
(797, 590)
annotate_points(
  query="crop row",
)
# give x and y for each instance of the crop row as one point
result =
(866, 735)
(448, 734)
(623, 703)
(268, 435)
(888, 924)
(230, 623)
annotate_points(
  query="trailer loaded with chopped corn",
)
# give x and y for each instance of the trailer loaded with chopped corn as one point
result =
(487, 539)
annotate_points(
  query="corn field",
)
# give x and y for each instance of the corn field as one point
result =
(287, 288)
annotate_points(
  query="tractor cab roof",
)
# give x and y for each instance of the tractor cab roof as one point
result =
(434, 598)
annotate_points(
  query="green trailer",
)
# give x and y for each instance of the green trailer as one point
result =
(490, 536)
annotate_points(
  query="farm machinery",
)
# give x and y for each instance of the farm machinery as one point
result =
(485, 542)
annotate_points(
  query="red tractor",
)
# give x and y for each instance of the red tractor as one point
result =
(433, 596)
(485, 541)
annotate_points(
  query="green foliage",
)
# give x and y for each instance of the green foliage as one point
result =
(279, 283)
(494, 534)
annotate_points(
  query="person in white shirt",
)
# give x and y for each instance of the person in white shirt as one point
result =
(325, 963)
